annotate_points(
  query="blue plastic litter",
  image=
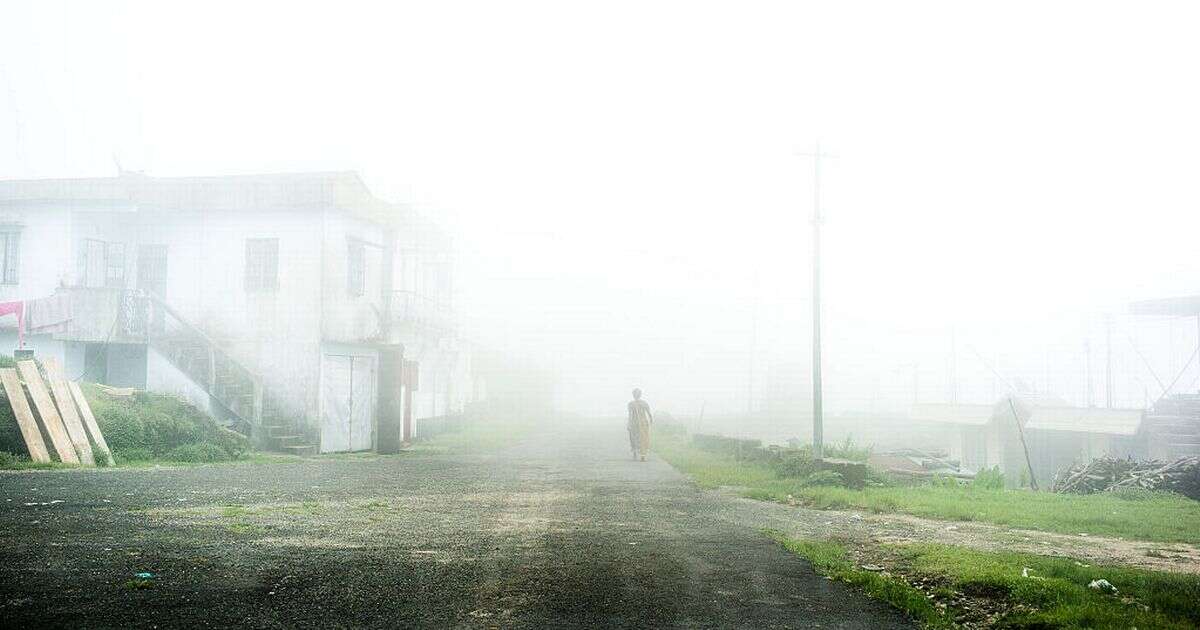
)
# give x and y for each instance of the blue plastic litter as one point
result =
(143, 576)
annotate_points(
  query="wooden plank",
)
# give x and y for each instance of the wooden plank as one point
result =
(25, 419)
(89, 421)
(66, 411)
(59, 438)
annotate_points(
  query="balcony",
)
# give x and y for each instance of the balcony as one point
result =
(97, 315)
(415, 312)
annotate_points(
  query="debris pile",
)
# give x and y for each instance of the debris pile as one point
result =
(1113, 473)
(918, 463)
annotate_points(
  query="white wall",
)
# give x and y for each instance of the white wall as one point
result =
(162, 376)
(278, 334)
(45, 254)
(349, 318)
(275, 334)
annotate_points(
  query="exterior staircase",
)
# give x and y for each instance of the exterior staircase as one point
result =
(237, 389)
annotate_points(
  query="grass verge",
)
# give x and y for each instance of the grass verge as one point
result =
(830, 559)
(1160, 517)
(941, 586)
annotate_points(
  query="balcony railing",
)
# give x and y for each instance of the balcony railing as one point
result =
(421, 312)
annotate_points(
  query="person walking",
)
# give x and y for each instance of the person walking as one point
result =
(639, 426)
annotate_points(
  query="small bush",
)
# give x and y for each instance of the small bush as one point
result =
(9, 460)
(794, 464)
(989, 479)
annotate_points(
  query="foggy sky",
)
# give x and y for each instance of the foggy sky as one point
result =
(622, 178)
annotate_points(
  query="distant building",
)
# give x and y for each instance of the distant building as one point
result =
(291, 306)
(1056, 434)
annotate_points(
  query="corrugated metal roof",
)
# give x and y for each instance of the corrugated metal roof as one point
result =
(1086, 420)
(976, 415)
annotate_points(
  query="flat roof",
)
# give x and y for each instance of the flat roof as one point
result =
(953, 413)
(1086, 420)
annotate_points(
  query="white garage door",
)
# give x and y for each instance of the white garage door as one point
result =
(347, 402)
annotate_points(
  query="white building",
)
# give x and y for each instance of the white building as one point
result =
(285, 304)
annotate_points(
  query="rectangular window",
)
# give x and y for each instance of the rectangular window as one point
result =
(262, 265)
(102, 264)
(10, 257)
(356, 268)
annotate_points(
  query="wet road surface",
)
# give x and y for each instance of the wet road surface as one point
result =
(562, 529)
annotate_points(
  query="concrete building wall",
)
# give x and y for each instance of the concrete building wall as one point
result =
(274, 333)
(280, 334)
(46, 232)
(347, 317)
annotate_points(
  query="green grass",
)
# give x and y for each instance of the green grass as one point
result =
(1061, 598)
(10, 461)
(831, 559)
(143, 427)
(1160, 517)
(1056, 597)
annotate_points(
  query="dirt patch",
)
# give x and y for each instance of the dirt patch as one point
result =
(802, 522)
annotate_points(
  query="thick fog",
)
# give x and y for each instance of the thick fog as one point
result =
(627, 191)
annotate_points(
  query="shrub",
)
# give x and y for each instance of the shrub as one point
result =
(989, 479)
(794, 463)
(11, 439)
(9, 460)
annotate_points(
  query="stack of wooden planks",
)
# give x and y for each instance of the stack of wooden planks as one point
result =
(60, 414)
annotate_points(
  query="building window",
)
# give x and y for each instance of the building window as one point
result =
(262, 265)
(102, 264)
(356, 268)
(10, 256)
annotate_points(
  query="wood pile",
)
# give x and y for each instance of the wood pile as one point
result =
(1104, 474)
(60, 415)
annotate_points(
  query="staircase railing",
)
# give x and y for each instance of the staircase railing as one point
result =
(198, 356)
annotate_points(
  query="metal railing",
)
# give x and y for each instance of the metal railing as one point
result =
(198, 356)
(421, 311)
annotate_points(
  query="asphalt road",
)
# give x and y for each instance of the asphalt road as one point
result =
(560, 530)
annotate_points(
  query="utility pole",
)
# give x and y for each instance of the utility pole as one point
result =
(818, 415)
